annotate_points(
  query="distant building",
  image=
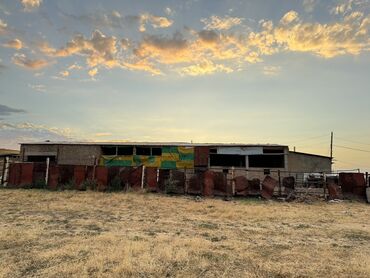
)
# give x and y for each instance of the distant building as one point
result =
(218, 157)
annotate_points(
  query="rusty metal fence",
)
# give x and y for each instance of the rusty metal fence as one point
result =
(205, 182)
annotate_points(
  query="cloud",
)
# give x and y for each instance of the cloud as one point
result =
(216, 48)
(102, 134)
(30, 5)
(64, 73)
(7, 111)
(154, 21)
(119, 21)
(289, 17)
(221, 23)
(98, 50)
(3, 27)
(93, 72)
(12, 134)
(23, 61)
(38, 87)
(142, 65)
(168, 11)
(75, 67)
(350, 36)
(271, 70)
(204, 68)
(16, 44)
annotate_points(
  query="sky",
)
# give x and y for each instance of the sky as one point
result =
(283, 72)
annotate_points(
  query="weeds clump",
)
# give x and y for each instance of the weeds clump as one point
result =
(116, 184)
(89, 184)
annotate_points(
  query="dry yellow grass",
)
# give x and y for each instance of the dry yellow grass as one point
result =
(88, 234)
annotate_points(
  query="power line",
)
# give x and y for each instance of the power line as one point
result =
(354, 149)
(352, 141)
(306, 139)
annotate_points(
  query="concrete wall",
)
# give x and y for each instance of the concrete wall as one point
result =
(78, 154)
(300, 162)
(65, 154)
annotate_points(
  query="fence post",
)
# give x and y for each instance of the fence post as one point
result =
(367, 179)
(47, 171)
(3, 171)
(185, 182)
(6, 172)
(279, 182)
(142, 177)
(232, 181)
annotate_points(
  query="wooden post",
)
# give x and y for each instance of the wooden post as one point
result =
(3, 171)
(185, 181)
(93, 174)
(47, 171)
(367, 179)
(279, 182)
(233, 181)
(142, 177)
(6, 172)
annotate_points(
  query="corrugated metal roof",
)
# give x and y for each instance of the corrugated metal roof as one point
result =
(183, 144)
(310, 154)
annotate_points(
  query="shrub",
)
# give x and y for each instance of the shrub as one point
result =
(39, 184)
(89, 184)
(115, 184)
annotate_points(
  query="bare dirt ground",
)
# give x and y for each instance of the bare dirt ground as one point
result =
(89, 234)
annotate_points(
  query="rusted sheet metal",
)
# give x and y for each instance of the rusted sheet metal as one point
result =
(178, 181)
(201, 155)
(289, 182)
(254, 187)
(66, 174)
(14, 174)
(334, 191)
(208, 183)
(353, 183)
(39, 173)
(268, 186)
(79, 176)
(151, 179)
(195, 184)
(26, 178)
(241, 186)
(124, 174)
(53, 180)
(135, 177)
(221, 187)
(101, 178)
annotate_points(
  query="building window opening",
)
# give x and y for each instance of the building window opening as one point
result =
(156, 151)
(143, 151)
(266, 161)
(40, 158)
(273, 150)
(125, 150)
(109, 150)
(227, 160)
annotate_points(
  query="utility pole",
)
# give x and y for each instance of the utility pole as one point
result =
(331, 147)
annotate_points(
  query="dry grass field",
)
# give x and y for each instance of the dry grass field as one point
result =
(89, 234)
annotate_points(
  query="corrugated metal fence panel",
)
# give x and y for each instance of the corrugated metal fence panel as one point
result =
(79, 175)
(101, 175)
(135, 177)
(241, 186)
(201, 155)
(53, 180)
(268, 186)
(27, 173)
(353, 183)
(151, 178)
(14, 174)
